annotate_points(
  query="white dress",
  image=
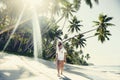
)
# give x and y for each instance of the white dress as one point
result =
(61, 53)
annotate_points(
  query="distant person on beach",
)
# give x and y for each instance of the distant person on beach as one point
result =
(60, 58)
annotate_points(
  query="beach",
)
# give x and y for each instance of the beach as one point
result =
(13, 67)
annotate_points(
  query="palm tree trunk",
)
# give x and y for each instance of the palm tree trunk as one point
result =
(29, 41)
(89, 31)
(15, 43)
(21, 41)
(20, 44)
(27, 47)
(59, 19)
(64, 23)
(90, 36)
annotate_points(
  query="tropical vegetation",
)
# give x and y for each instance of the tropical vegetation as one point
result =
(21, 42)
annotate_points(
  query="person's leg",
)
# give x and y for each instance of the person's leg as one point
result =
(62, 67)
(58, 68)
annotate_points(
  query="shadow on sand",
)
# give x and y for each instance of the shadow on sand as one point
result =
(13, 74)
(65, 78)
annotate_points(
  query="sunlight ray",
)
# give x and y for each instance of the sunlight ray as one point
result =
(37, 39)
(16, 26)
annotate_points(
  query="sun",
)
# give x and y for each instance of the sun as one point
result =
(33, 3)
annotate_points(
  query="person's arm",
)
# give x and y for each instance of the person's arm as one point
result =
(65, 57)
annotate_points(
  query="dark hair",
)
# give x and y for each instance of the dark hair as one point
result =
(59, 44)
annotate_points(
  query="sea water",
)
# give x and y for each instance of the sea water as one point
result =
(107, 68)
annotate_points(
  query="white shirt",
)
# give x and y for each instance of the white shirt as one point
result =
(60, 53)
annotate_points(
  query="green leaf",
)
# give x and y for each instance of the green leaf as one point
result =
(88, 2)
(108, 19)
(97, 1)
(77, 4)
(109, 24)
(96, 34)
(96, 23)
(101, 17)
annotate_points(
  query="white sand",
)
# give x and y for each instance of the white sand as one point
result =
(14, 67)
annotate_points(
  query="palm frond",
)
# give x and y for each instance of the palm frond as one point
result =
(96, 23)
(88, 2)
(64, 2)
(101, 17)
(97, 1)
(96, 34)
(77, 4)
(109, 24)
(108, 19)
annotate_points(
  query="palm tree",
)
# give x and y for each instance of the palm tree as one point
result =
(76, 4)
(87, 56)
(79, 41)
(101, 29)
(75, 25)
(68, 9)
(89, 2)
(103, 24)
(50, 40)
(53, 33)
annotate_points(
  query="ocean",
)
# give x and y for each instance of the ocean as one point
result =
(107, 68)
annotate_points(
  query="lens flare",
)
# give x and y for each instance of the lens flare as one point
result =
(33, 3)
(16, 26)
(37, 39)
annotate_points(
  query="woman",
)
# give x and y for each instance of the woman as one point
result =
(60, 57)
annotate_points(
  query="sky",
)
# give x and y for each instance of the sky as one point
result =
(107, 53)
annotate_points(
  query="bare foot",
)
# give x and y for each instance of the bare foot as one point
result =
(58, 75)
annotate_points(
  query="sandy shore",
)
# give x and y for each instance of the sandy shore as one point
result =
(14, 67)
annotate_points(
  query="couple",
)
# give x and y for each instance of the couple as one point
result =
(60, 58)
